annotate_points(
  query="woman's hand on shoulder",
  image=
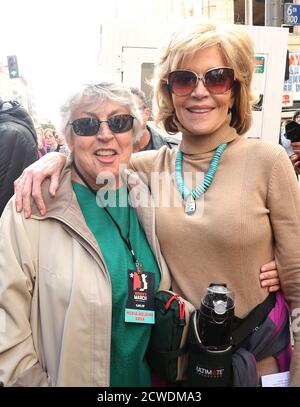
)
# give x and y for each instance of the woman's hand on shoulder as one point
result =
(30, 181)
(269, 277)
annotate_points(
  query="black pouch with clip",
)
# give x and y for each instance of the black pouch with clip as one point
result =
(166, 354)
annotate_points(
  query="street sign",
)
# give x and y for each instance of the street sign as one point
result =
(292, 14)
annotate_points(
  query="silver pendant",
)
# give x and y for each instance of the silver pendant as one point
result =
(190, 205)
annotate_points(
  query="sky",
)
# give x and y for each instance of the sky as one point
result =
(56, 42)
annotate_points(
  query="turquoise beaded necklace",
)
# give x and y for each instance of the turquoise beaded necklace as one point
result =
(188, 196)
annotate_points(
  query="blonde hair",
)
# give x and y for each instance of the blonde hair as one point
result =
(237, 50)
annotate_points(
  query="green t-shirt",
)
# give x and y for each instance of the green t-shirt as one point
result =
(129, 341)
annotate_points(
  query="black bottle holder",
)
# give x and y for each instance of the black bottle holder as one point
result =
(207, 368)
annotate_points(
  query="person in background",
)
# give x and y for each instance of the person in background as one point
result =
(296, 117)
(18, 146)
(62, 146)
(295, 155)
(151, 139)
(55, 142)
(50, 140)
(40, 139)
(66, 302)
(286, 143)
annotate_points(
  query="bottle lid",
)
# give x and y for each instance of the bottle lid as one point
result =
(218, 298)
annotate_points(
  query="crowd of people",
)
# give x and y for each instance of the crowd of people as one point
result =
(70, 305)
(49, 140)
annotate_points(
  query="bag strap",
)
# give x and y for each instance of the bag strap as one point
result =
(245, 326)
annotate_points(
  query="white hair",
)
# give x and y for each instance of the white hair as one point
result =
(97, 93)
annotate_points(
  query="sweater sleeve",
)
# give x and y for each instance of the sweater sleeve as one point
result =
(18, 357)
(283, 202)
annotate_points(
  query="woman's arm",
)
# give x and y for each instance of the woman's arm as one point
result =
(283, 202)
(50, 166)
(29, 183)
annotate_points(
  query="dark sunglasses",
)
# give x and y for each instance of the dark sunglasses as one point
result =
(219, 80)
(89, 126)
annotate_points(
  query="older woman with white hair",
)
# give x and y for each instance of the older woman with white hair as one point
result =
(67, 278)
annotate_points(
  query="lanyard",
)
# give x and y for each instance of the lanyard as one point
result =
(126, 239)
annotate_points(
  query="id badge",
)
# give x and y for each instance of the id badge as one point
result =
(140, 302)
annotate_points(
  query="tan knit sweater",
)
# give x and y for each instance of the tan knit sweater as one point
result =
(250, 213)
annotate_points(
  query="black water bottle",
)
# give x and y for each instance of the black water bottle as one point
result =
(215, 317)
(209, 341)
